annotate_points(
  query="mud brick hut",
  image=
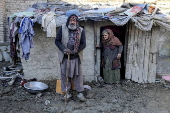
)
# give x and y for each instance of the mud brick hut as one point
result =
(142, 28)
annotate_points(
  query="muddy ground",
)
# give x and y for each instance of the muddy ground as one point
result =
(125, 97)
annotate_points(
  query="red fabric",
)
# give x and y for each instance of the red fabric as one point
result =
(166, 78)
(77, 40)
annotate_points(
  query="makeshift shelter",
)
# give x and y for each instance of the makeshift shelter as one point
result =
(139, 26)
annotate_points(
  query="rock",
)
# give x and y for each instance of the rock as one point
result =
(6, 90)
(38, 95)
(89, 96)
(47, 102)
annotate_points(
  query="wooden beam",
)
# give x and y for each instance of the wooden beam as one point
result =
(152, 56)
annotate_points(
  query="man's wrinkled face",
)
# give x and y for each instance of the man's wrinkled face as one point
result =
(72, 21)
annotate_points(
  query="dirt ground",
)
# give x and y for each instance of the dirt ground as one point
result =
(125, 97)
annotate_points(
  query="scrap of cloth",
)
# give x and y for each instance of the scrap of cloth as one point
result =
(49, 24)
(27, 33)
(13, 32)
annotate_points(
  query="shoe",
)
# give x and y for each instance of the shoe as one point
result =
(67, 96)
(81, 97)
(100, 80)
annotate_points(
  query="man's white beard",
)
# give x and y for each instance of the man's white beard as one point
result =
(72, 27)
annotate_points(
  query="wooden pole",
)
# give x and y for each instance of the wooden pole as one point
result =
(67, 70)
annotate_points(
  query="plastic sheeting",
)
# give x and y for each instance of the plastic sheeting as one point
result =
(61, 20)
(141, 14)
(120, 21)
(101, 10)
(143, 23)
(134, 10)
(163, 24)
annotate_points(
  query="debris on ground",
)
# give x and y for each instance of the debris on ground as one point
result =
(125, 97)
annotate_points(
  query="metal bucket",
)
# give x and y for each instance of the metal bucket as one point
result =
(35, 86)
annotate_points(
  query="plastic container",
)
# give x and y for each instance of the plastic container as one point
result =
(58, 87)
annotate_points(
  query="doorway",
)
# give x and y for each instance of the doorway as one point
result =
(119, 32)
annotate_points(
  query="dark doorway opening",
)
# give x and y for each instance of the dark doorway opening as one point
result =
(119, 32)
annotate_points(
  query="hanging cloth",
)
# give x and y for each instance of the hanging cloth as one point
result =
(49, 24)
(27, 33)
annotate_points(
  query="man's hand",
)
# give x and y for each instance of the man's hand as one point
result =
(118, 56)
(97, 45)
(67, 51)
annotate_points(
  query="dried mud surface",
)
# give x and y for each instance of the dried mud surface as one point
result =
(125, 97)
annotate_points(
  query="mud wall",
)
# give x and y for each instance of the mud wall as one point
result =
(43, 63)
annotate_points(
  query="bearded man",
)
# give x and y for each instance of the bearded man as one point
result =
(71, 40)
